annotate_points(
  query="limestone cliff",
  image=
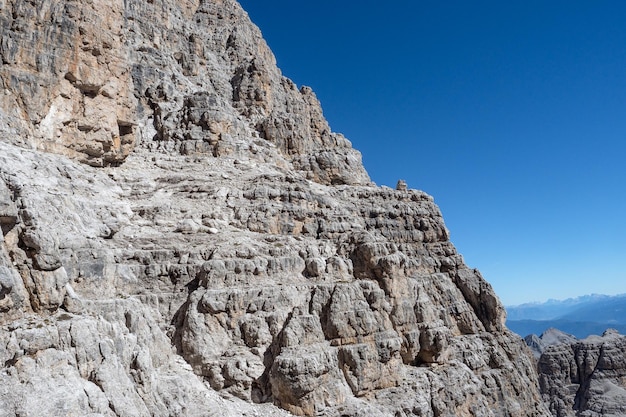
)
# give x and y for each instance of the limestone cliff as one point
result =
(183, 234)
(584, 378)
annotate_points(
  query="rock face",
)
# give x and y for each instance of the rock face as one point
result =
(551, 337)
(183, 234)
(584, 377)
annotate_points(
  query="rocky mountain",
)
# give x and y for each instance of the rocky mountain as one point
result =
(552, 336)
(183, 234)
(581, 316)
(582, 377)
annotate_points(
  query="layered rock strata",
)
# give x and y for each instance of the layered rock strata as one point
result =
(586, 377)
(183, 234)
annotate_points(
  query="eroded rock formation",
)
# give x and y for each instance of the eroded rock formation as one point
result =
(183, 234)
(586, 377)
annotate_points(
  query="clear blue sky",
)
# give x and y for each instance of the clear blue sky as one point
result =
(512, 114)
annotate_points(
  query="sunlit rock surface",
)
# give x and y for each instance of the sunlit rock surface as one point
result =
(183, 234)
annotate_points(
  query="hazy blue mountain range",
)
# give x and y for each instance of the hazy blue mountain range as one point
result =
(581, 316)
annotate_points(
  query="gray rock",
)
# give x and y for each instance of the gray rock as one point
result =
(584, 377)
(8, 210)
(183, 234)
(538, 344)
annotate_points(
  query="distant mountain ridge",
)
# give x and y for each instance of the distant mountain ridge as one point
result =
(581, 316)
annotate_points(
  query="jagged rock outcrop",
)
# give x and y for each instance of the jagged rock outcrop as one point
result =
(183, 234)
(551, 337)
(584, 377)
(88, 80)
